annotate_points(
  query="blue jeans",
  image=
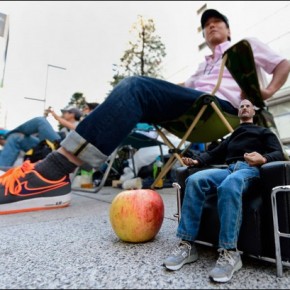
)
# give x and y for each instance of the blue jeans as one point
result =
(229, 184)
(22, 139)
(133, 100)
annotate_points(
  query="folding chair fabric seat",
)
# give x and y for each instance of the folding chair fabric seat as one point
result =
(208, 128)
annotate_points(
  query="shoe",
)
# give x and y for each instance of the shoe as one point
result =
(227, 264)
(183, 253)
(23, 189)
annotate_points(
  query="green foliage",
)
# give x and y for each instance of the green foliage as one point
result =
(77, 100)
(144, 55)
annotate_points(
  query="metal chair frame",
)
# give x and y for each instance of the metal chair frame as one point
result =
(277, 232)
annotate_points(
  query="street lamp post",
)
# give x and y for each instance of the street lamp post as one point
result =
(46, 82)
(48, 66)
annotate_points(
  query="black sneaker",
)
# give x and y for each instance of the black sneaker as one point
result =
(23, 189)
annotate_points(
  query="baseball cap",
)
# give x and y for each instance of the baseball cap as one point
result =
(74, 111)
(213, 13)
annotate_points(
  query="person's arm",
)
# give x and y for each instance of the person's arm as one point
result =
(215, 156)
(279, 77)
(62, 121)
(273, 150)
(272, 63)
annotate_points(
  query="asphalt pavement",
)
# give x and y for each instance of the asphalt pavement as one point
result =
(76, 248)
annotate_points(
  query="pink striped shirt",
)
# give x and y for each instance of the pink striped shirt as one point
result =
(207, 73)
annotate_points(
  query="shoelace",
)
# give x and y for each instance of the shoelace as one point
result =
(10, 179)
(225, 258)
(181, 246)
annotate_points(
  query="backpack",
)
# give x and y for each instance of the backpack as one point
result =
(40, 151)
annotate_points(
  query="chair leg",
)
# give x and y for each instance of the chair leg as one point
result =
(175, 156)
(171, 161)
(163, 171)
(223, 119)
(277, 233)
(105, 176)
(178, 196)
(108, 169)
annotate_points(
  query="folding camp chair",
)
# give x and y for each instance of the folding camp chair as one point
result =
(135, 140)
(205, 121)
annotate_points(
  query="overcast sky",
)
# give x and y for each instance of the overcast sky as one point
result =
(86, 38)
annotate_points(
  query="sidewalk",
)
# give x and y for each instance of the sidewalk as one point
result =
(76, 248)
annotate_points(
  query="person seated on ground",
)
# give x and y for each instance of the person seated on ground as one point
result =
(3, 135)
(135, 99)
(29, 134)
(245, 150)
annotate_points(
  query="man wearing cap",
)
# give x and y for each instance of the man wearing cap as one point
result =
(29, 134)
(135, 99)
(69, 120)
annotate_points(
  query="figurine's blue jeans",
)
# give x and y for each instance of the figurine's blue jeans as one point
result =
(133, 100)
(229, 184)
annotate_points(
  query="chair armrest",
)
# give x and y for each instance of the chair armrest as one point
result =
(274, 174)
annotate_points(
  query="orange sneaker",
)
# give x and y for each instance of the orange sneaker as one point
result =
(23, 189)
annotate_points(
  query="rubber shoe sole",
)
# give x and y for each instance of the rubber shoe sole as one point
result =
(23, 189)
(228, 278)
(35, 204)
(188, 260)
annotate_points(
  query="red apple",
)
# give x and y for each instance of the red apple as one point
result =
(137, 215)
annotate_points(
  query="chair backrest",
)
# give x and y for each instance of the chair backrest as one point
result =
(240, 63)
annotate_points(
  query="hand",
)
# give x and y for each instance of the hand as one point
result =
(47, 111)
(189, 161)
(53, 113)
(254, 159)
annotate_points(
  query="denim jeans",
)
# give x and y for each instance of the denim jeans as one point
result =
(133, 100)
(229, 184)
(22, 139)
